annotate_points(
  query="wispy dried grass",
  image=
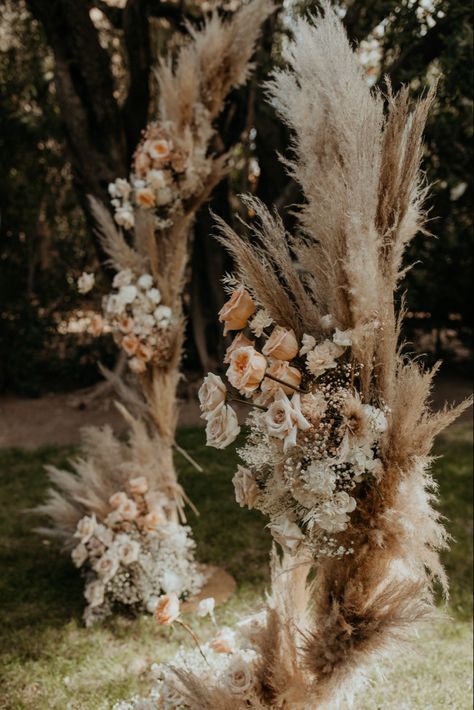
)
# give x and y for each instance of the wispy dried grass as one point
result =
(356, 155)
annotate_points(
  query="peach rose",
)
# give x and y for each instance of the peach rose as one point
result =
(125, 323)
(281, 345)
(283, 371)
(323, 357)
(212, 394)
(137, 366)
(240, 341)
(118, 499)
(96, 325)
(144, 352)
(238, 309)
(145, 197)
(247, 369)
(128, 510)
(224, 642)
(152, 521)
(158, 150)
(246, 489)
(167, 610)
(138, 485)
(130, 344)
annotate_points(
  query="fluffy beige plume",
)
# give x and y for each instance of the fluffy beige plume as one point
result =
(357, 158)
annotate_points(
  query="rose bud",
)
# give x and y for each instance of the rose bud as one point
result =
(238, 309)
(281, 345)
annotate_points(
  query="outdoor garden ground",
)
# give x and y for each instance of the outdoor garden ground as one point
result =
(48, 660)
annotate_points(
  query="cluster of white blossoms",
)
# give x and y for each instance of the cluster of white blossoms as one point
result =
(313, 440)
(135, 554)
(229, 660)
(159, 181)
(138, 319)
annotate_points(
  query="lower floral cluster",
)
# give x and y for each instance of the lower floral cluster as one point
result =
(134, 555)
(228, 662)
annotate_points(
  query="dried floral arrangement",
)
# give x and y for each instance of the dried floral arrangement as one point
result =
(174, 171)
(340, 430)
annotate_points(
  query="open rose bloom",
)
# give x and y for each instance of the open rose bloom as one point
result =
(130, 555)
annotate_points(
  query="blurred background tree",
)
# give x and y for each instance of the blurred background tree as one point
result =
(77, 89)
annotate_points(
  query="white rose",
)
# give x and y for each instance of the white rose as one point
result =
(107, 565)
(308, 344)
(164, 196)
(246, 489)
(377, 419)
(284, 418)
(287, 533)
(79, 555)
(212, 394)
(127, 294)
(94, 593)
(323, 357)
(120, 188)
(85, 283)
(153, 295)
(238, 677)
(145, 282)
(163, 314)
(128, 551)
(251, 627)
(222, 427)
(123, 278)
(85, 528)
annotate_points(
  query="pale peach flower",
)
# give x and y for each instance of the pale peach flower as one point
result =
(224, 642)
(130, 344)
(247, 369)
(283, 371)
(85, 528)
(142, 163)
(145, 197)
(107, 565)
(96, 325)
(281, 345)
(138, 485)
(238, 309)
(206, 607)
(137, 366)
(79, 555)
(95, 593)
(144, 352)
(240, 341)
(167, 610)
(212, 394)
(343, 338)
(118, 499)
(222, 427)
(239, 677)
(308, 343)
(323, 357)
(125, 323)
(246, 489)
(153, 520)
(284, 418)
(128, 510)
(128, 551)
(327, 322)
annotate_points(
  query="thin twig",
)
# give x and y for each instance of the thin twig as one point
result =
(286, 384)
(194, 637)
(188, 457)
(249, 404)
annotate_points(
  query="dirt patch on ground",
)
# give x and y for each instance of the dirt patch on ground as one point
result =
(57, 419)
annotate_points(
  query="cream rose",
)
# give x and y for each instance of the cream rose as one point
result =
(238, 677)
(138, 485)
(343, 338)
(246, 489)
(117, 499)
(125, 323)
(246, 370)
(128, 510)
(96, 325)
(158, 150)
(153, 520)
(222, 427)
(224, 642)
(167, 610)
(145, 282)
(95, 593)
(238, 309)
(206, 607)
(240, 341)
(284, 418)
(85, 283)
(142, 163)
(86, 528)
(281, 345)
(107, 565)
(212, 394)
(128, 551)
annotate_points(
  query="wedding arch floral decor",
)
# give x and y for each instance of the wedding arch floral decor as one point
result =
(122, 510)
(340, 428)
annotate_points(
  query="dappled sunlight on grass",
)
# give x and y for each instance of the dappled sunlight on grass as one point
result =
(50, 661)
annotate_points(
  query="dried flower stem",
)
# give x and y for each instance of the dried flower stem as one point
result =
(194, 638)
(286, 384)
(249, 404)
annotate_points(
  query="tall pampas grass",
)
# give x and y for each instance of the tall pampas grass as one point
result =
(175, 168)
(356, 155)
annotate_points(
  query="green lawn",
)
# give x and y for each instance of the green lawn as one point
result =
(48, 660)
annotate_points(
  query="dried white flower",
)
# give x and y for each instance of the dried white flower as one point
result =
(85, 282)
(259, 322)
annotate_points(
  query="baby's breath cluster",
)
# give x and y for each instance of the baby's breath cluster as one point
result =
(134, 554)
(313, 441)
